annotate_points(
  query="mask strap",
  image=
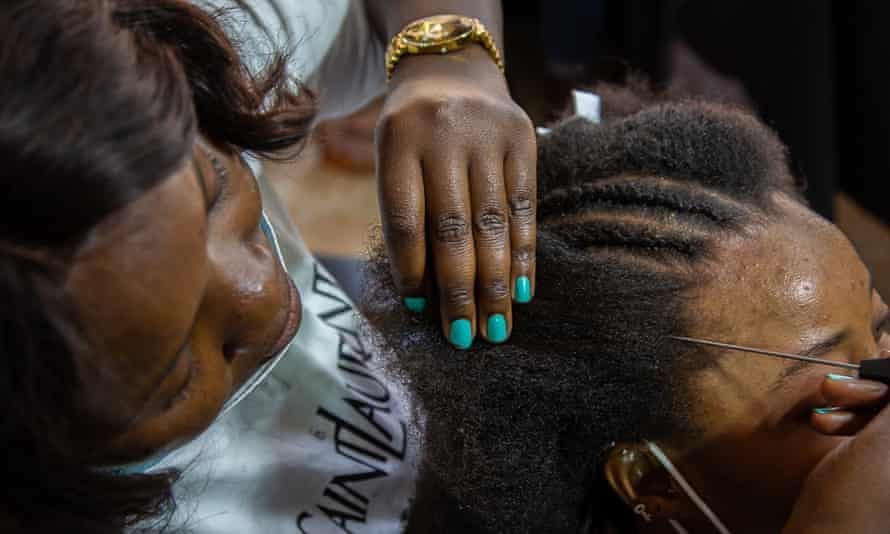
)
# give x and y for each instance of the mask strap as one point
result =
(691, 493)
(678, 527)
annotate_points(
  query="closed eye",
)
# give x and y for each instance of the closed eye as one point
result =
(883, 326)
(185, 391)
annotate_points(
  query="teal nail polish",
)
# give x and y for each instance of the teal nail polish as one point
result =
(823, 411)
(497, 328)
(461, 335)
(522, 290)
(415, 304)
(833, 376)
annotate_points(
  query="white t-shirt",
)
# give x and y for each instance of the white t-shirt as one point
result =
(332, 48)
(318, 442)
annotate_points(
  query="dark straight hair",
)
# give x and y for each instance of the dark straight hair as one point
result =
(100, 100)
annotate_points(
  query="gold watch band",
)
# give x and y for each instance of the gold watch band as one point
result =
(400, 46)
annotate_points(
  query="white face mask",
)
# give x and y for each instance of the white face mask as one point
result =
(687, 489)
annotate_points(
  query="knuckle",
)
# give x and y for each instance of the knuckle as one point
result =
(393, 126)
(490, 221)
(442, 108)
(457, 297)
(403, 227)
(387, 125)
(522, 254)
(451, 228)
(522, 206)
(521, 121)
(453, 113)
(497, 290)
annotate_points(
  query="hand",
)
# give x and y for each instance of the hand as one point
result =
(456, 174)
(853, 403)
(849, 491)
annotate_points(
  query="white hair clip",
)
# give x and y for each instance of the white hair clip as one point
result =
(584, 104)
(587, 105)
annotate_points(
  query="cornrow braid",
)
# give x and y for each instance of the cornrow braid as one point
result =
(630, 192)
(677, 172)
(651, 217)
(611, 233)
(718, 148)
(629, 211)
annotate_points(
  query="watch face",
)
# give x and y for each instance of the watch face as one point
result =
(433, 30)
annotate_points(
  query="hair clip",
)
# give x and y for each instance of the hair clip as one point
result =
(585, 105)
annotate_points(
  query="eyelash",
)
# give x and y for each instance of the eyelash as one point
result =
(189, 385)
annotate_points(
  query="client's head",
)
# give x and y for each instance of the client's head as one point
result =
(669, 218)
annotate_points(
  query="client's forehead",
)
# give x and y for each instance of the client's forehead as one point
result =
(791, 282)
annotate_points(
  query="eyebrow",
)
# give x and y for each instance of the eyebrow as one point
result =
(219, 170)
(813, 351)
(202, 181)
(217, 164)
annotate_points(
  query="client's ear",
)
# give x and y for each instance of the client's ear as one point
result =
(648, 489)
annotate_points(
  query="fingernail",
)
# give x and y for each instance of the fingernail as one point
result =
(461, 335)
(835, 422)
(833, 376)
(497, 328)
(522, 290)
(415, 304)
(828, 409)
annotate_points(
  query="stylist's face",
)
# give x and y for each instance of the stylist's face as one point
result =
(180, 297)
(796, 286)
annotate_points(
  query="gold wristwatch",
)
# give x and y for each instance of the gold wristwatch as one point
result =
(440, 34)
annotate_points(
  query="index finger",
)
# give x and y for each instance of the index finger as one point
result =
(853, 394)
(403, 213)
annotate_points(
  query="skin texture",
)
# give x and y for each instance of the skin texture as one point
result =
(456, 173)
(213, 303)
(786, 286)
